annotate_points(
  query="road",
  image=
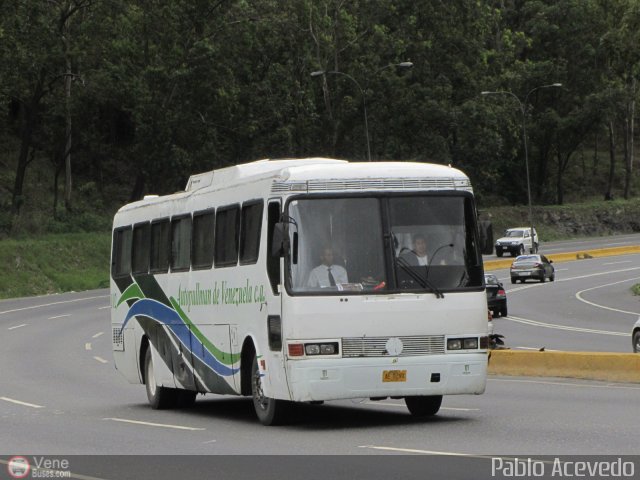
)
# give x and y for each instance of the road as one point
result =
(577, 245)
(589, 307)
(60, 394)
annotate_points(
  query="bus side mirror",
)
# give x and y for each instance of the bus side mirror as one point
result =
(486, 237)
(277, 244)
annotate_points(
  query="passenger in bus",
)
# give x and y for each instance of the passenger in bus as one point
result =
(418, 256)
(327, 274)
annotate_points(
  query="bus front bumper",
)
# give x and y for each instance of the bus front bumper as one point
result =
(333, 379)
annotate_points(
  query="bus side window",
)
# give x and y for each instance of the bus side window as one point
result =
(121, 256)
(251, 225)
(140, 249)
(202, 248)
(273, 263)
(226, 236)
(160, 246)
(181, 243)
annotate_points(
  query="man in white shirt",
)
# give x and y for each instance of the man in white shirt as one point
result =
(418, 256)
(327, 274)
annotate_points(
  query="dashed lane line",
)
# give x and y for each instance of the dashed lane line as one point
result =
(18, 402)
(17, 326)
(98, 334)
(149, 424)
(101, 360)
(58, 316)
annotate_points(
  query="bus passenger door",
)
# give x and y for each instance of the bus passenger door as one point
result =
(271, 312)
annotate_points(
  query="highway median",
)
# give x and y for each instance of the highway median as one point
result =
(608, 367)
(491, 265)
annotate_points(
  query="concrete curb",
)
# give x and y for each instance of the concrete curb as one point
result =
(608, 367)
(569, 256)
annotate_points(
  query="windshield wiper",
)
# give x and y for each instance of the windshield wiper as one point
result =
(423, 282)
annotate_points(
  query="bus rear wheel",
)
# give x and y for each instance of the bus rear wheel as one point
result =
(268, 410)
(423, 406)
(160, 398)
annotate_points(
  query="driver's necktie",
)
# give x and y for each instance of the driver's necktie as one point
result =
(332, 281)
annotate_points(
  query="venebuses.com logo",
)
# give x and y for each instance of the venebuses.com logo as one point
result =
(18, 467)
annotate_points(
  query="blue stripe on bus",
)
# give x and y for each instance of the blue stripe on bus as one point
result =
(165, 315)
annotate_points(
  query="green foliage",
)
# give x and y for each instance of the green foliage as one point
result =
(163, 89)
(53, 264)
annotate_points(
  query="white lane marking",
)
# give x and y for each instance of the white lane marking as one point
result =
(53, 303)
(18, 402)
(98, 334)
(566, 384)
(423, 452)
(535, 285)
(149, 424)
(58, 316)
(535, 348)
(104, 308)
(561, 269)
(210, 441)
(617, 263)
(579, 297)
(101, 360)
(564, 327)
(87, 346)
(17, 326)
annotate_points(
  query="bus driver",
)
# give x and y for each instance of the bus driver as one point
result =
(327, 274)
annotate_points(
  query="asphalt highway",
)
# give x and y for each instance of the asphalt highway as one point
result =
(60, 393)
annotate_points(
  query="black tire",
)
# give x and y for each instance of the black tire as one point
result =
(543, 278)
(423, 406)
(636, 341)
(552, 278)
(503, 311)
(498, 253)
(268, 410)
(535, 248)
(160, 398)
(513, 280)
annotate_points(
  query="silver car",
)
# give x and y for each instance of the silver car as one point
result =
(537, 267)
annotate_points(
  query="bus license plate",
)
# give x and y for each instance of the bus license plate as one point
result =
(394, 375)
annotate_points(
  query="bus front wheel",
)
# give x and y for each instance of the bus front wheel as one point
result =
(423, 406)
(268, 410)
(159, 397)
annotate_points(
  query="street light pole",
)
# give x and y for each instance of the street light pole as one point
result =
(523, 110)
(319, 73)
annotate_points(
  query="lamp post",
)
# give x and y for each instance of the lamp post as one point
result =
(319, 73)
(523, 110)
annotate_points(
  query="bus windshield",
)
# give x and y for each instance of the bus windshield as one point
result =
(368, 245)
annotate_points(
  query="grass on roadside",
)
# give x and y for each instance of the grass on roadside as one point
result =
(54, 263)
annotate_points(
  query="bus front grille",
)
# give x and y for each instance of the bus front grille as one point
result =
(377, 346)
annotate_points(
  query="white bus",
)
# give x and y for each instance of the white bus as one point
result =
(225, 288)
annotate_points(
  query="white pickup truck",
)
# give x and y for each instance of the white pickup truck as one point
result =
(517, 241)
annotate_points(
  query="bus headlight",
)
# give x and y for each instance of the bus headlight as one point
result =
(320, 348)
(469, 343)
